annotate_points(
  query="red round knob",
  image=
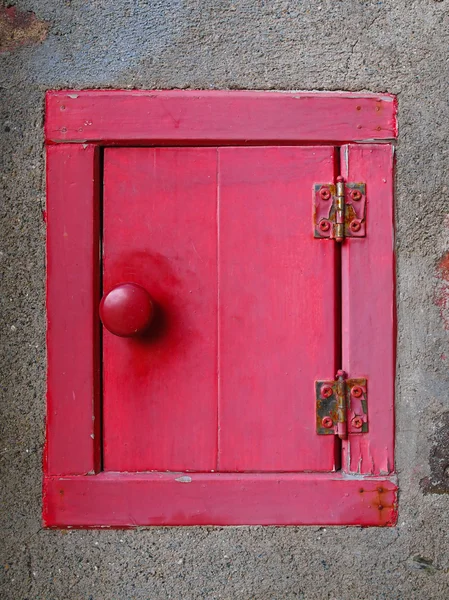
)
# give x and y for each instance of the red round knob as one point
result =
(127, 310)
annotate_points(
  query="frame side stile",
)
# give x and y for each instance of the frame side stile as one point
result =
(368, 270)
(73, 443)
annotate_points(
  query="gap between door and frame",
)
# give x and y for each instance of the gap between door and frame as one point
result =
(337, 287)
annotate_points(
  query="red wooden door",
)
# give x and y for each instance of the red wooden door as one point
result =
(246, 314)
(248, 309)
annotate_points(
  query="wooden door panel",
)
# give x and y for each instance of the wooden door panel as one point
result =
(160, 392)
(246, 309)
(277, 309)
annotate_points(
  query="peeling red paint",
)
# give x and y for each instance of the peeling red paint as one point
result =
(19, 28)
(442, 294)
(443, 266)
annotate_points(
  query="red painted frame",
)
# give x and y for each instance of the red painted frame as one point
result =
(78, 124)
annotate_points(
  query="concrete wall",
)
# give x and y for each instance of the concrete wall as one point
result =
(397, 46)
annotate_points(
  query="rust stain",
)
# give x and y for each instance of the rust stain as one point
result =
(443, 266)
(384, 502)
(442, 293)
(19, 28)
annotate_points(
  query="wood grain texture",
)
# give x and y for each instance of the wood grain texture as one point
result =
(278, 309)
(276, 291)
(160, 391)
(368, 317)
(186, 116)
(73, 424)
(195, 332)
(125, 500)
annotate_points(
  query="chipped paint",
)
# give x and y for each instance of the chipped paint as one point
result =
(442, 292)
(375, 141)
(184, 479)
(353, 95)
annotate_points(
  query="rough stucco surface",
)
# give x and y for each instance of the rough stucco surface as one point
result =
(398, 46)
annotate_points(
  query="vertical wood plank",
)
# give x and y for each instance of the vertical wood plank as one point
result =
(278, 306)
(73, 425)
(368, 315)
(160, 231)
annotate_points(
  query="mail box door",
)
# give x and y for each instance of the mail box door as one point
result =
(229, 309)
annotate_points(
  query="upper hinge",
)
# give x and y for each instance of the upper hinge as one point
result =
(339, 210)
(341, 406)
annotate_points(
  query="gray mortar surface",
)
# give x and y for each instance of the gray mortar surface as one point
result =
(397, 46)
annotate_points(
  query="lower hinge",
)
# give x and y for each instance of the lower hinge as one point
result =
(341, 406)
(339, 210)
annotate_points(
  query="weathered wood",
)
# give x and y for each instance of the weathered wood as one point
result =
(160, 391)
(278, 309)
(73, 423)
(188, 116)
(368, 301)
(166, 410)
(276, 294)
(125, 500)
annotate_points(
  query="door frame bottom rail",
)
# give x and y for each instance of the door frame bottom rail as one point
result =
(124, 500)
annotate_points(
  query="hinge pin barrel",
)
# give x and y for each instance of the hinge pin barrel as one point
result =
(342, 429)
(340, 210)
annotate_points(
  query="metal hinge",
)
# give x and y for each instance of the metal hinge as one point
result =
(341, 406)
(339, 210)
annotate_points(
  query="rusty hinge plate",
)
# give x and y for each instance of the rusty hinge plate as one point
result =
(341, 406)
(339, 210)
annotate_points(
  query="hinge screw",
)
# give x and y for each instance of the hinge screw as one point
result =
(357, 391)
(355, 225)
(325, 193)
(324, 225)
(326, 391)
(356, 195)
(357, 422)
(327, 422)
